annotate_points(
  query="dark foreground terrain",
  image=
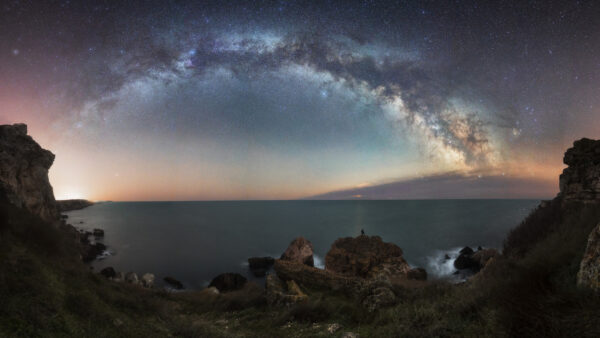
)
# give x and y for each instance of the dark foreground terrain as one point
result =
(536, 288)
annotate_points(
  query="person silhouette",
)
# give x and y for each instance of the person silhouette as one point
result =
(362, 231)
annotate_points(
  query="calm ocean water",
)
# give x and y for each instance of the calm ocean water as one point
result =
(195, 241)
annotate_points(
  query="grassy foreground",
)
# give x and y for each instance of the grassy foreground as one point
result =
(46, 291)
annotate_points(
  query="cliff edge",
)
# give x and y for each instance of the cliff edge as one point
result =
(581, 179)
(24, 166)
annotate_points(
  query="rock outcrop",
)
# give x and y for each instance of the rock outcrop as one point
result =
(300, 250)
(260, 265)
(67, 205)
(24, 172)
(366, 257)
(279, 292)
(580, 181)
(589, 270)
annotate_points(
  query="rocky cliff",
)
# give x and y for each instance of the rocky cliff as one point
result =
(581, 179)
(24, 172)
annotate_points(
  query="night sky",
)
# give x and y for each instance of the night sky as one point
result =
(167, 100)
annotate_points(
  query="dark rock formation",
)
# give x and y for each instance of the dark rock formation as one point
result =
(589, 269)
(417, 274)
(67, 205)
(24, 172)
(474, 260)
(173, 282)
(365, 257)
(108, 272)
(89, 251)
(98, 233)
(300, 250)
(260, 265)
(581, 179)
(226, 282)
(316, 278)
(466, 251)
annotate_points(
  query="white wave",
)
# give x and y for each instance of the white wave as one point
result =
(439, 266)
(318, 262)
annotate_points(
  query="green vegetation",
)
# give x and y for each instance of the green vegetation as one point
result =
(46, 291)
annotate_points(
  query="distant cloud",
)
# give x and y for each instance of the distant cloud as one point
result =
(448, 186)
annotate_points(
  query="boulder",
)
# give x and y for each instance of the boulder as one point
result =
(148, 280)
(300, 250)
(260, 265)
(108, 272)
(366, 257)
(466, 251)
(173, 282)
(227, 282)
(98, 232)
(580, 181)
(589, 269)
(24, 169)
(466, 262)
(132, 278)
(417, 274)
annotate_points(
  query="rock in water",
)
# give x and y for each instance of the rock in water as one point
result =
(260, 265)
(173, 282)
(24, 172)
(98, 233)
(589, 269)
(366, 257)
(300, 250)
(581, 179)
(226, 282)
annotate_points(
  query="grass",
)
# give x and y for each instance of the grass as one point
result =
(531, 291)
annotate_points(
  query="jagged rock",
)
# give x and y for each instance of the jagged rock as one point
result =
(260, 265)
(98, 232)
(312, 277)
(68, 205)
(299, 250)
(226, 282)
(108, 272)
(148, 280)
(173, 282)
(24, 172)
(589, 269)
(466, 251)
(280, 293)
(132, 278)
(366, 257)
(417, 274)
(465, 261)
(581, 179)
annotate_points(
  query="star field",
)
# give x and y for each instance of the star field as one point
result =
(288, 99)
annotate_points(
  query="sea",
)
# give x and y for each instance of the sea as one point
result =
(196, 241)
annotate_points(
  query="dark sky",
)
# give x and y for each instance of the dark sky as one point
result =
(286, 99)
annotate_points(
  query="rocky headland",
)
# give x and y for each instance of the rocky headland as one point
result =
(545, 281)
